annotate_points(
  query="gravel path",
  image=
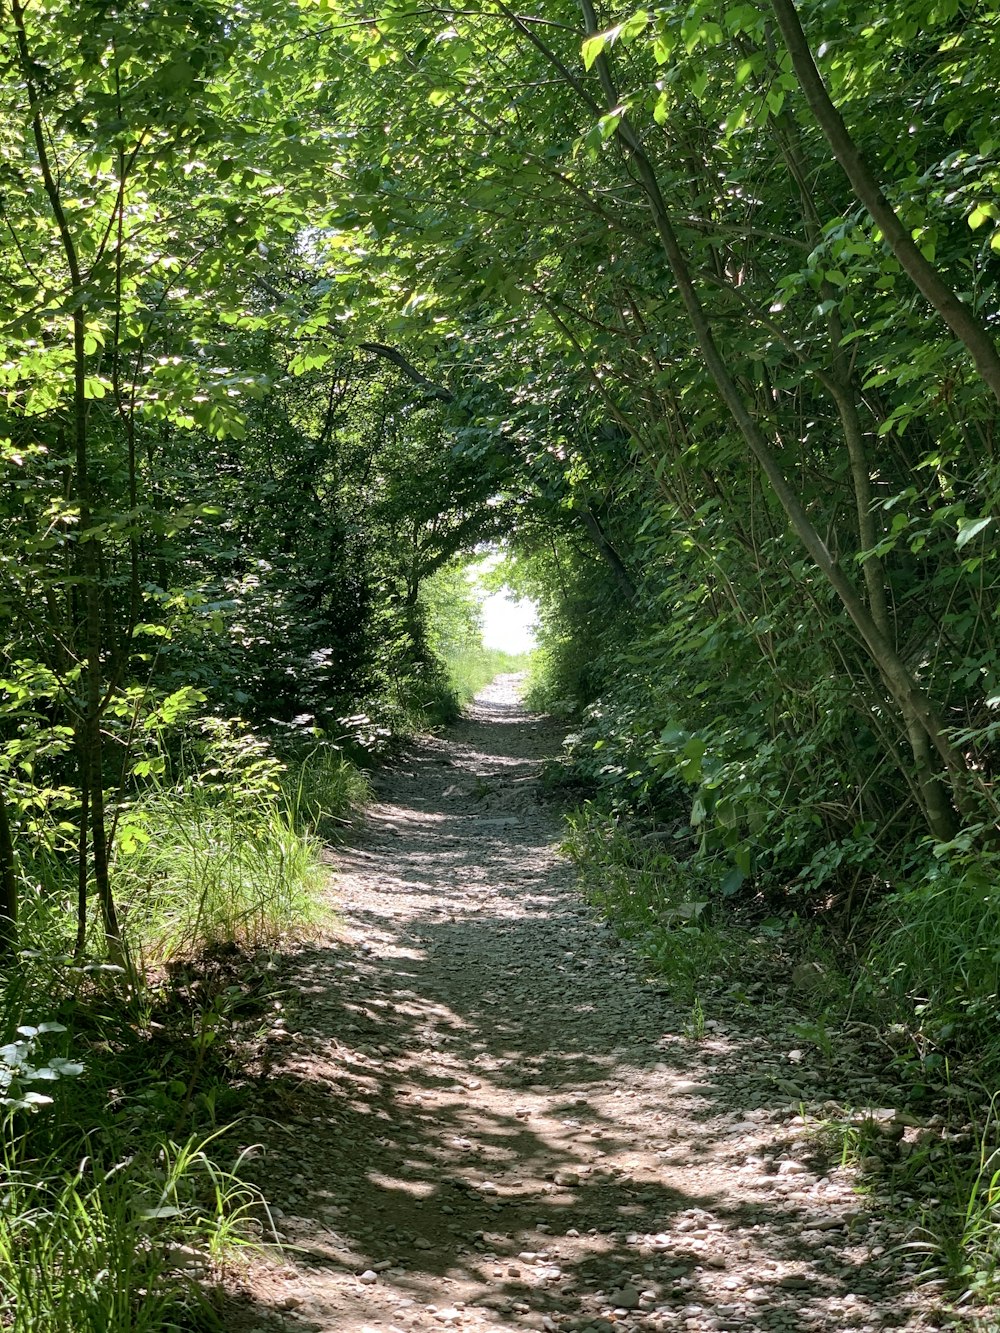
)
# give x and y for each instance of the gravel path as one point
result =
(481, 1115)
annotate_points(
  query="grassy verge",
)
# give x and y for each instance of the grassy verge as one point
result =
(918, 1004)
(472, 667)
(123, 1197)
(670, 912)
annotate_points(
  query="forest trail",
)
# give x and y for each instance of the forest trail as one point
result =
(483, 1116)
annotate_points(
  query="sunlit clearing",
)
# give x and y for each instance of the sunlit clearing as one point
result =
(509, 625)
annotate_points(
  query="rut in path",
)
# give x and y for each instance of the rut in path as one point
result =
(483, 1116)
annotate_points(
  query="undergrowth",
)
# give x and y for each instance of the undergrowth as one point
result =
(667, 907)
(121, 1198)
(925, 988)
(122, 1192)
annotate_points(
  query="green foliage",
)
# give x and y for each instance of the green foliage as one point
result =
(663, 905)
(117, 1249)
(227, 853)
(934, 955)
(267, 378)
(117, 1214)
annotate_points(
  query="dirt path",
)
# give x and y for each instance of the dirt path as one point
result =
(480, 1115)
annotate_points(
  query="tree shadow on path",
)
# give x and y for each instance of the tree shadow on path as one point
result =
(482, 1116)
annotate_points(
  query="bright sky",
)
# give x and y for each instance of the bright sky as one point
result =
(507, 624)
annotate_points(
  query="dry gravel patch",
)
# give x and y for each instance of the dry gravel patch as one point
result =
(482, 1115)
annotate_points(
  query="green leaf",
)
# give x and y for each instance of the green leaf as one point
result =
(592, 48)
(969, 528)
(982, 213)
(622, 32)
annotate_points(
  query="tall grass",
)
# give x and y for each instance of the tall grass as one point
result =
(110, 1220)
(471, 667)
(119, 1250)
(212, 872)
(660, 903)
(935, 956)
(324, 792)
(237, 861)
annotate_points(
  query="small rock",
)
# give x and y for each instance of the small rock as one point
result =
(792, 1169)
(625, 1298)
(368, 1278)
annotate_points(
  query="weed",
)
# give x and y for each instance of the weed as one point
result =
(114, 1250)
(696, 1023)
(815, 1031)
(934, 954)
(959, 1237)
(213, 871)
(324, 792)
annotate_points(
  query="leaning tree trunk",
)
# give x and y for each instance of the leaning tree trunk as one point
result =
(924, 276)
(916, 709)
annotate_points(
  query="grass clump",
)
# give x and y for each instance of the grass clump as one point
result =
(120, 1249)
(216, 871)
(230, 852)
(324, 792)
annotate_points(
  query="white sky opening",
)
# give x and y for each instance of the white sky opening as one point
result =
(507, 624)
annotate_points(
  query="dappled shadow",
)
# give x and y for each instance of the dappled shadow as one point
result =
(480, 1107)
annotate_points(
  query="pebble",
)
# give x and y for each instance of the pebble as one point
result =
(791, 1168)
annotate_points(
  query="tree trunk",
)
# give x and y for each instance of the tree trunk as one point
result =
(924, 276)
(608, 553)
(915, 707)
(8, 881)
(91, 775)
